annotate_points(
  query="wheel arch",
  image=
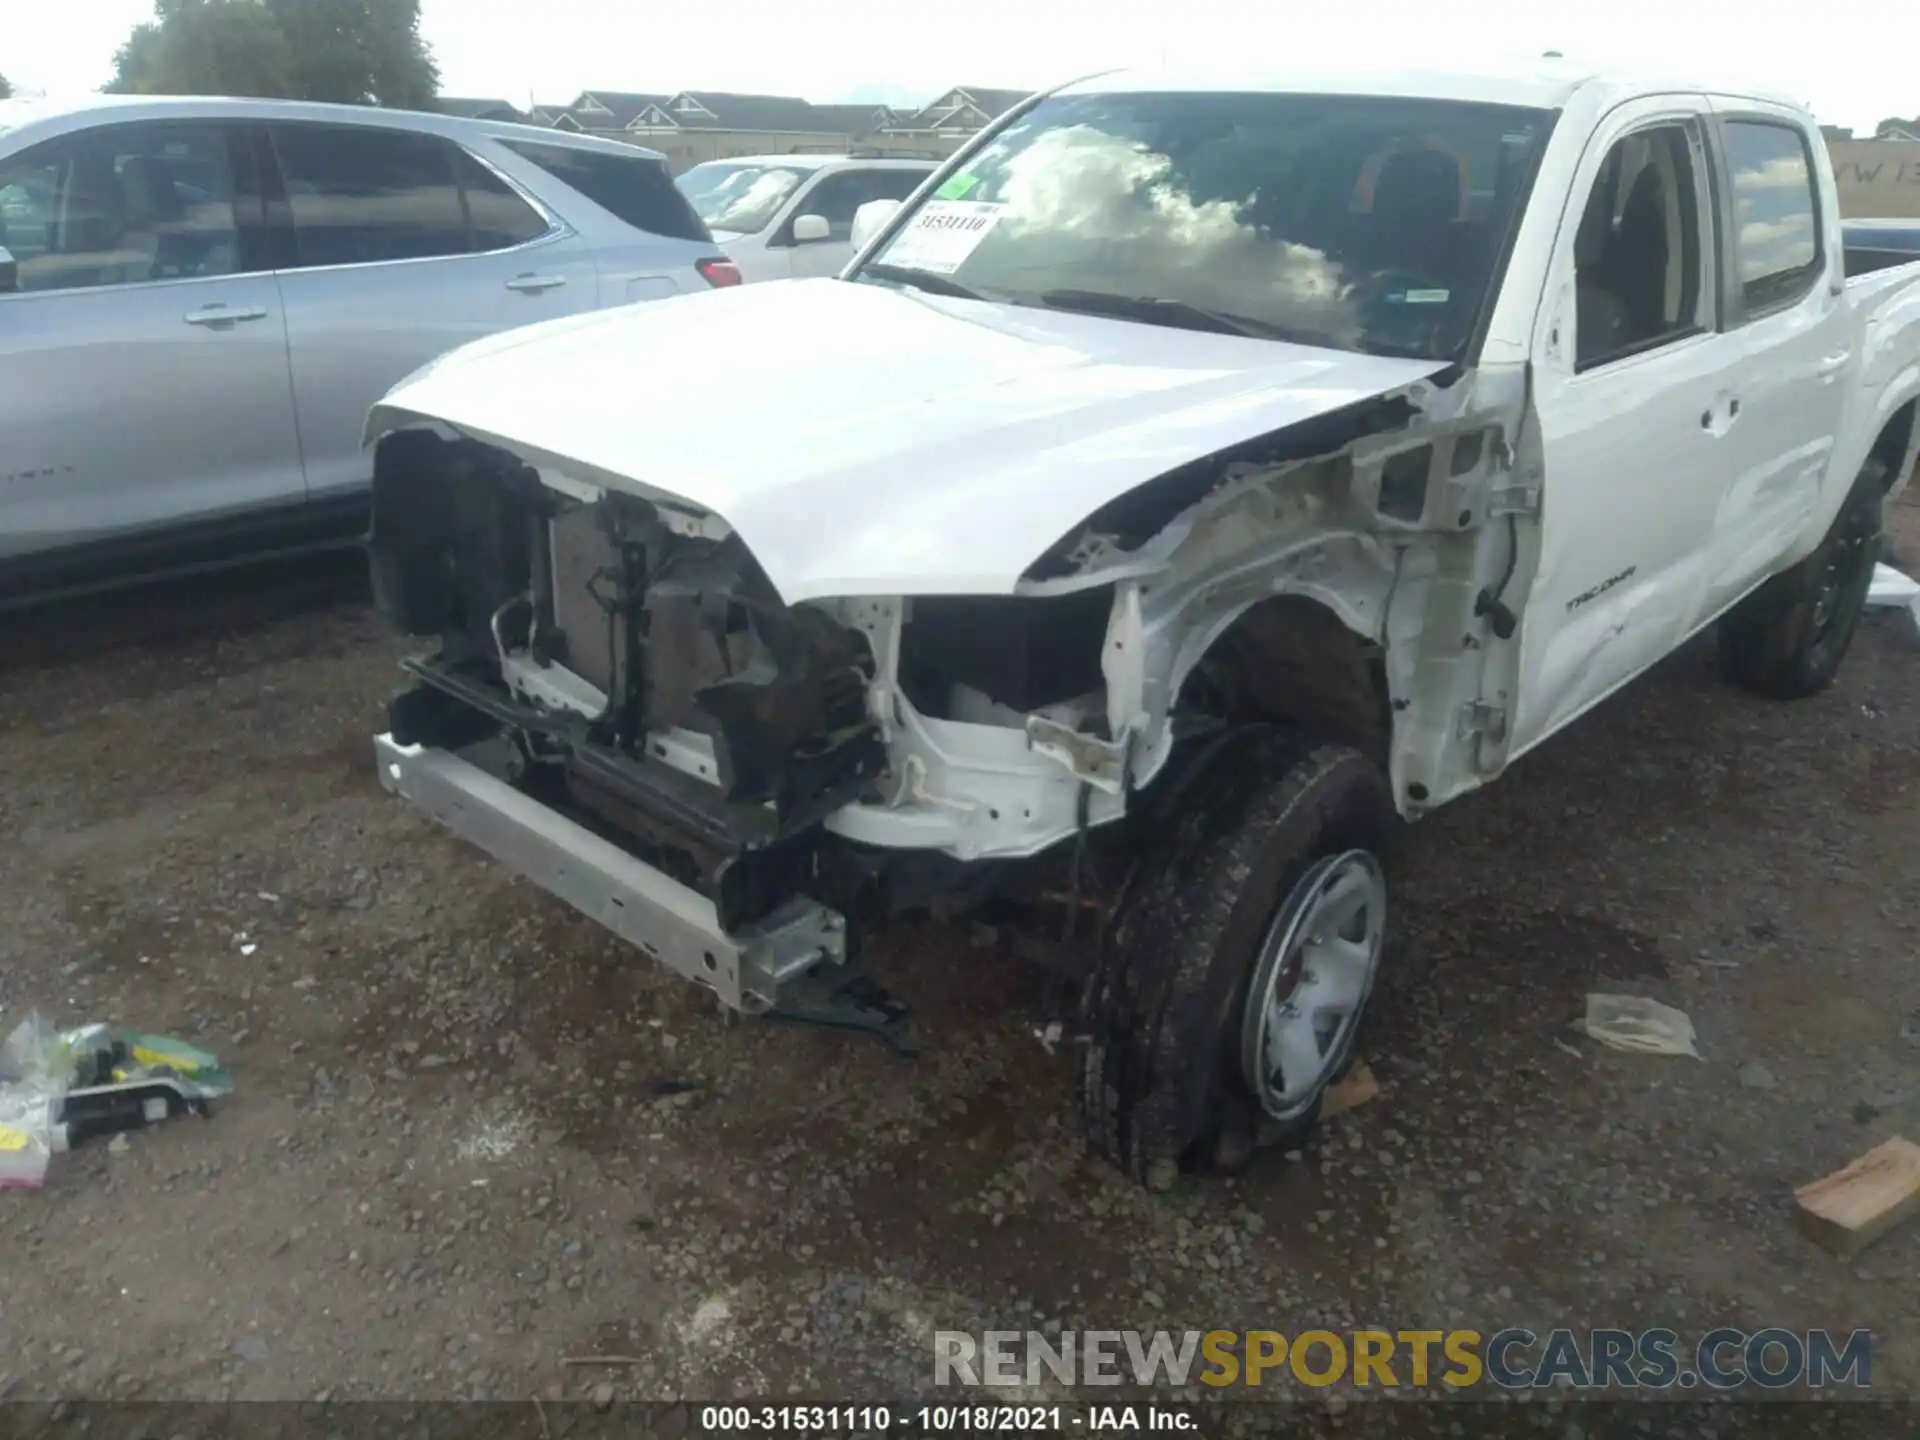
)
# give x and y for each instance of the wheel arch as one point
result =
(1896, 434)
(1304, 658)
(1894, 445)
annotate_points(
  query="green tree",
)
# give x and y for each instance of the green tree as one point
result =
(356, 52)
(205, 47)
(6, 90)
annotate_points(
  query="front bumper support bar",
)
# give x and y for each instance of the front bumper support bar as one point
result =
(675, 925)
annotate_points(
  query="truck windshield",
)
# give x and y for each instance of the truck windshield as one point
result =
(1352, 222)
(741, 198)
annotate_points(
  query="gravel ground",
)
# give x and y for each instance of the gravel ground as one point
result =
(450, 1162)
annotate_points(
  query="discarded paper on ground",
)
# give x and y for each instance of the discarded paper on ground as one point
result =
(1639, 1025)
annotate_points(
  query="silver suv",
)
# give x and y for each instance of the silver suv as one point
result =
(200, 301)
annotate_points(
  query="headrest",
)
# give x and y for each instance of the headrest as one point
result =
(1422, 183)
(146, 182)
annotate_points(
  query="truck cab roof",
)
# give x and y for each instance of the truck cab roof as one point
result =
(1546, 83)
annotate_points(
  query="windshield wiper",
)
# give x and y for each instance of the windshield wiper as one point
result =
(928, 280)
(1181, 313)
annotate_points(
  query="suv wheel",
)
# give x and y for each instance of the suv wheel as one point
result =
(1243, 952)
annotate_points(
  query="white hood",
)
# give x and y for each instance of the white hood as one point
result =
(869, 441)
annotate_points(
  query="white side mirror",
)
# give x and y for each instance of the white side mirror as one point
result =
(870, 219)
(809, 228)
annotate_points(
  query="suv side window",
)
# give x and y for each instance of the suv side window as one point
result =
(836, 198)
(501, 216)
(363, 195)
(895, 184)
(121, 205)
(636, 190)
(360, 195)
(1776, 239)
(1639, 266)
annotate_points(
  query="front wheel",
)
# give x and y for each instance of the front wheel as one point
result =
(1241, 959)
(1787, 639)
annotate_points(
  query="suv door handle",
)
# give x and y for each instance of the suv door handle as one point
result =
(533, 284)
(1833, 364)
(223, 315)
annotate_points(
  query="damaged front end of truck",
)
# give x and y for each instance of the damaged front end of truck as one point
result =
(665, 736)
(622, 707)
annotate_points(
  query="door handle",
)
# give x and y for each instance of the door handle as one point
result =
(1832, 364)
(534, 284)
(223, 315)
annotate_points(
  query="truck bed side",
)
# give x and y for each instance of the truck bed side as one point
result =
(1886, 310)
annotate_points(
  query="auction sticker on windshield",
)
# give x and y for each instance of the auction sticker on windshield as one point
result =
(942, 235)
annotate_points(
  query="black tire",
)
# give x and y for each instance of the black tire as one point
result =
(1161, 1092)
(1787, 639)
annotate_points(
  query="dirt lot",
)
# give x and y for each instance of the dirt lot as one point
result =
(449, 1165)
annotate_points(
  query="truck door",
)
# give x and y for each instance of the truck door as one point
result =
(1783, 293)
(1631, 394)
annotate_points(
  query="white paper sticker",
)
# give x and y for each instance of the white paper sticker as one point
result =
(1427, 297)
(942, 234)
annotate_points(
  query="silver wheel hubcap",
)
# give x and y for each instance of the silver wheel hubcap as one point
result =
(1312, 980)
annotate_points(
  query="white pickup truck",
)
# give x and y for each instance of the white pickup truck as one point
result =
(1195, 479)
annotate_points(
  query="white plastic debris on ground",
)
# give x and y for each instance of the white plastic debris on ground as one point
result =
(1890, 587)
(34, 1067)
(1893, 590)
(1639, 1025)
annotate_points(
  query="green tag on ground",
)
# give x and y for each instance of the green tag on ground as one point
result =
(957, 186)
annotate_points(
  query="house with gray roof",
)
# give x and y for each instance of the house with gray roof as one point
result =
(690, 127)
(962, 110)
(602, 111)
(469, 109)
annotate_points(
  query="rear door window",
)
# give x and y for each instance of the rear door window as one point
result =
(634, 189)
(362, 195)
(1776, 226)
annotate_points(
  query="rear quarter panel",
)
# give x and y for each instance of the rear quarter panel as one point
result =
(634, 265)
(1887, 304)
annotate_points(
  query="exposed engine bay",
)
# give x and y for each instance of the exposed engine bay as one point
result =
(617, 659)
(643, 678)
(630, 664)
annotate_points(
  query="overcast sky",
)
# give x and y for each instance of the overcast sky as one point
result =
(1852, 63)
